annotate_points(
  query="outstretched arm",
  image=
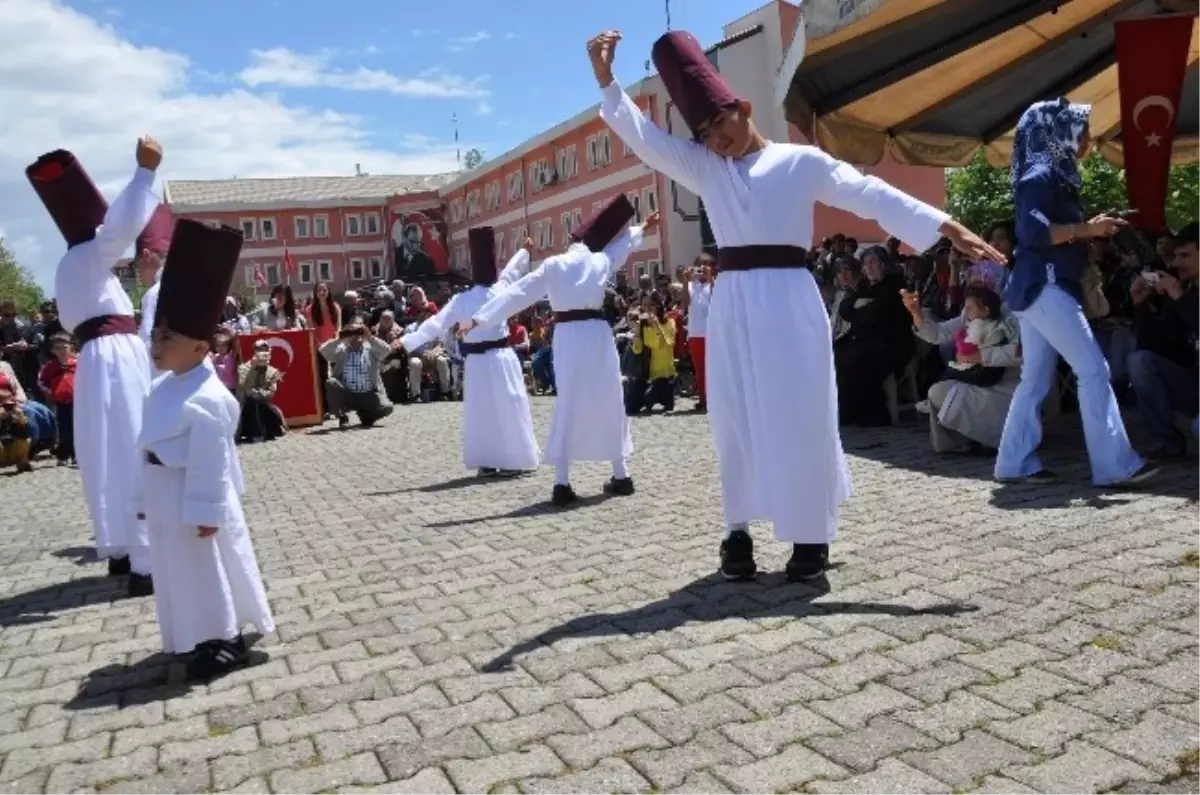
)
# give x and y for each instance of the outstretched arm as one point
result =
(435, 327)
(129, 213)
(520, 295)
(516, 266)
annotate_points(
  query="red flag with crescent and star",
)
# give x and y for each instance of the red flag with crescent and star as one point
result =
(1152, 56)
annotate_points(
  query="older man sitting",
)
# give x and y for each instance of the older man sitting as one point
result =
(354, 383)
(431, 357)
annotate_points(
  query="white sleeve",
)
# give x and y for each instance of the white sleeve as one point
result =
(127, 216)
(620, 248)
(209, 472)
(435, 327)
(681, 160)
(515, 268)
(521, 294)
(843, 186)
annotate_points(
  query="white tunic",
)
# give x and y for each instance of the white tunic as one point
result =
(589, 422)
(149, 307)
(772, 395)
(497, 423)
(699, 298)
(204, 588)
(113, 373)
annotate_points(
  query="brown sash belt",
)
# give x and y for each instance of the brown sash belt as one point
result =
(151, 458)
(471, 348)
(104, 326)
(749, 258)
(576, 315)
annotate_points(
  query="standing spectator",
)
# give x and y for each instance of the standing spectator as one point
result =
(698, 280)
(518, 337)
(51, 325)
(17, 346)
(354, 383)
(677, 310)
(325, 319)
(232, 319)
(224, 360)
(280, 313)
(260, 419)
(57, 383)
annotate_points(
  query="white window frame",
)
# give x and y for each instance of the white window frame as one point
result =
(576, 218)
(368, 220)
(626, 152)
(250, 280)
(375, 268)
(253, 224)
(499, 242)
(357, 231)
(605, 147)
(491, 196)
(592, 159)
(456, 210)
(516, 185)
(566, 161)
(650, 199)
(640, 269)
(325, 270)
(323, 222)
(262, 229)
(473, 203)
(357, 270)
(566, 225)
(635, 198)
(654, 268)
(306, 271)
(297, 231)
(268, 268)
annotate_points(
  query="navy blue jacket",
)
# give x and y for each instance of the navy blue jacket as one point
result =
(1042, 198)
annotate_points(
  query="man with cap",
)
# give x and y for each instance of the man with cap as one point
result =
(498, 438)
(150, 252)
(771, 389)
(208, 585)
(589, 422)
(113, 370)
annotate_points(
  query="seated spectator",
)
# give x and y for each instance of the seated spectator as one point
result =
(232, 319)
(224, 360)
(518, 338)
(542, 363)
(431, 359)
(57, 382)
(354, 383)
(878, 344)
(18, 345)
(352, 307)
(654, 333)
(261, 420)
(384, 301)
(418, 304)
(399, 298)
(388, 329)
(1163, 371)
(982, 328)
(16, 437)
(846, 276)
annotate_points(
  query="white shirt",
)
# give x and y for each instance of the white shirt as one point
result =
(699, 296)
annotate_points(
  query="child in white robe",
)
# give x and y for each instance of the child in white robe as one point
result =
(772, 395)
(208, 585)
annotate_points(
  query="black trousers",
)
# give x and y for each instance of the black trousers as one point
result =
(259, 420)
(64, 417)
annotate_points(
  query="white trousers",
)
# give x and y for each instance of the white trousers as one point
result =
(416, 368)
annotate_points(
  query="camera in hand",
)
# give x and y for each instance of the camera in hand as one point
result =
(354, 331)
(13, 428)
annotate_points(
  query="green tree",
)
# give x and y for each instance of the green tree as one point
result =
(472, 160)
(17, 283)
(978, 194)
(1183, 196)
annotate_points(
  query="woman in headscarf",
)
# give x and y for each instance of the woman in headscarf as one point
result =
(1045, 291)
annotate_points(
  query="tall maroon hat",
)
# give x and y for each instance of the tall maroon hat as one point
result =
(157, 234)
(196, 278)
(482, 242)
(69, 195)
(693, 83)
(605, 224)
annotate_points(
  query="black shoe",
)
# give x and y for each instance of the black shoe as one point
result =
(619, 487)
(343, 422)
(1146, 472)
(216, 658)
(140, 585)
(737, 557)
(118, 567)
(508, 473)
(808, 562)
(487, 472)
(563, 496)
(1163, 455)
(1043, 477)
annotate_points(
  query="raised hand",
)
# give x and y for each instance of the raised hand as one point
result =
(528, 245)
(652, 223)
(602, 48)
(149, 153)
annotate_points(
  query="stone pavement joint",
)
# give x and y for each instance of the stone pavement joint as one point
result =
(438, 634)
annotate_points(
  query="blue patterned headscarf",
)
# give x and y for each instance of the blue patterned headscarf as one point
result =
(1049, 134)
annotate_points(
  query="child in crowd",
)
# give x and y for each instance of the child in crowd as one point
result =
(207, 582)
(224, 361)
(983, 329)
(16, 437)
(57, 382)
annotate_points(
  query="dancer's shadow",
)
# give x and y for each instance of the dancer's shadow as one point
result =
(43, 604)
(464, 482)
(80, 556)
(537, 509)
(711, 598)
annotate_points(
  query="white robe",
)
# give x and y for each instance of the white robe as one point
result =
(204, 588)
(772, 394)
(113, 373)
(497, 423)
(589, 422)
(149, 307)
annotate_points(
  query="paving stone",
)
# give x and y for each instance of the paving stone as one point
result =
(361, 769)
(482, 775)
(74, 777)
(1027, 689)
(1047, 730)
(193, 777)
(668, 767)
(610, 775)
(854, 710)
(430, 781)
(26, 760)
(891, 776)
(241, 741)
(935, 682)
(512, 734)
(230, 771)
(1082, 766)
(768, 736)
(405, 760)
(275, 732)
(436, 722)
(976, 755)
(792, 767)
(1157, 742)
(681, 724)
(861, 749)
(601, 712)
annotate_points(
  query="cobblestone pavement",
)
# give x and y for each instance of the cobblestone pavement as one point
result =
(438, 634)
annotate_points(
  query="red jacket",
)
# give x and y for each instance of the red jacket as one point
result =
(58, 380)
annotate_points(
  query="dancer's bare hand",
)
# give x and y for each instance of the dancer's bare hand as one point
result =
(602, 48)
(149, 153)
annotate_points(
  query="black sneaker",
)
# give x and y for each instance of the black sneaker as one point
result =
(808, 562)
(1146, 472)
(118, 567)
(619, 487)
(737, 557)
(343, 422)
(563, 496)
(486, 472)
(140, 585)
(216, 658)
(508, 473)
(1043, 477)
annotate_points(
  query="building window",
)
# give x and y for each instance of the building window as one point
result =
(650, 200)
(249, 225)
(655, 268)
(473, 204)
(300, 226)
(273, 274)
(542, 175)
(456, 211)
(356, 270)
(641, 269)
(543, 232)
(500, 246)
(627, 151)
(516, 186)
(320, 226)
(597, 207)
(324, 270)
(376, 270)
(306, 273)
(491, 196)
(266, 226)
(250, 280)
(371, 222)
(568, 163)
(566, 225)
(635, 199)
(599, 150)
(353, 225)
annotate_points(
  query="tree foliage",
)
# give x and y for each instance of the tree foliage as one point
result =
(17, 283)
(980, 193)
(472, 160)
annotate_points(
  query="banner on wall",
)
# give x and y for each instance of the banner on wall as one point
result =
(294, 354)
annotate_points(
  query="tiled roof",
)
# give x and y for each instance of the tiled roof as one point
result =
(256, 191)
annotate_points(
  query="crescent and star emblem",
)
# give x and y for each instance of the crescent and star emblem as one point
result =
(1153, 101)
(283, 345)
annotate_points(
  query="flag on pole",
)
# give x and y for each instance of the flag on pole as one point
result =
(288, 264)
(260, 277)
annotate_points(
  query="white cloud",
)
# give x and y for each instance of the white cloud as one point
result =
(510, 35)
(483, 109)
(467, 43)
(282, 67)
(79, 86)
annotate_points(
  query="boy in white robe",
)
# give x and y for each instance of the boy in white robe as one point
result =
(772, 395)
(208, 585)
(498, 438)
(589, 421)
(113, 370)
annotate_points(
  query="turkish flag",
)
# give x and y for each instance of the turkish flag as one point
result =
(1152, 56)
